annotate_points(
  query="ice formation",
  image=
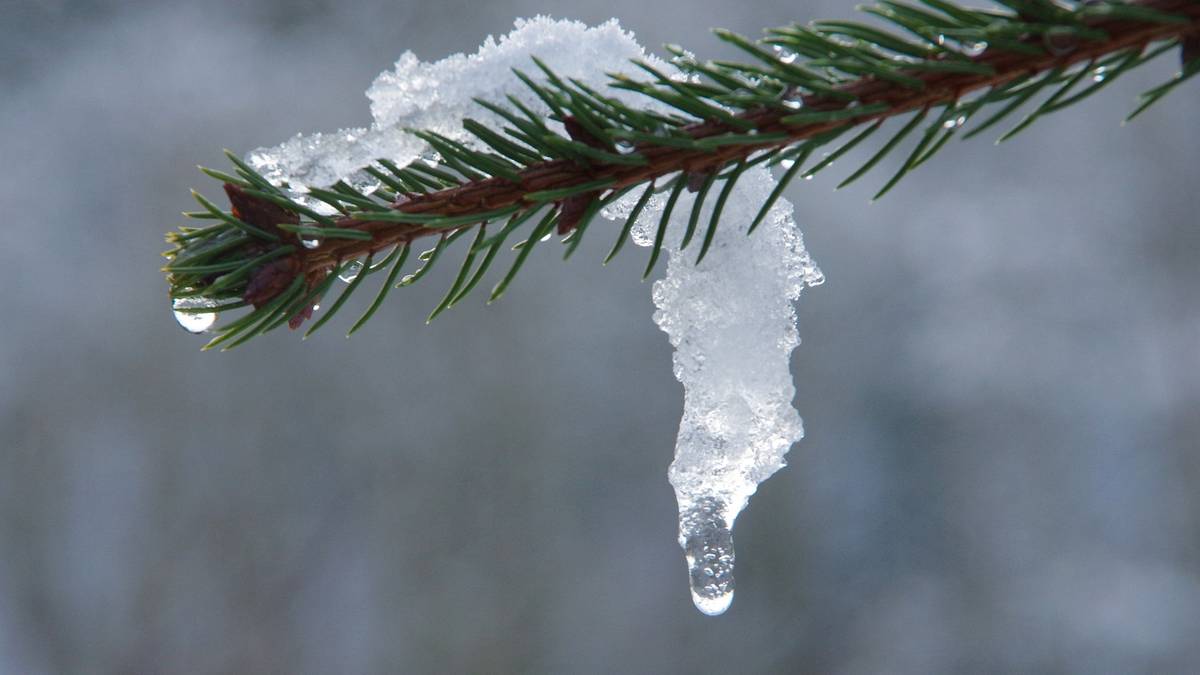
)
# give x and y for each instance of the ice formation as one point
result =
(437, 96)
(731, 319)
(732, 322)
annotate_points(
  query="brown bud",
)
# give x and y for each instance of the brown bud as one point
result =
(571, 210)
(580, 134)
(257, 211)
(270, 280)
(696, 180)
(300, 317)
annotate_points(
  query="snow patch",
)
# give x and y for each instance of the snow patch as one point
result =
(437, 96)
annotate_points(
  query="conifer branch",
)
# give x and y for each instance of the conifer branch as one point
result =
(947, 63)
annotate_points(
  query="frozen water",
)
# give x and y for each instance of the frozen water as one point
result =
(707, 542)
(437, 96)
(731, 319)
(732, 322)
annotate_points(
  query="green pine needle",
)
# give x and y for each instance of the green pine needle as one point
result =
(798, 89)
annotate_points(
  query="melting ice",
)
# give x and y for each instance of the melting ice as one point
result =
(732, 322)
(731, 319)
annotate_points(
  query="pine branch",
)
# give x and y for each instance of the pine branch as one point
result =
(946, 63)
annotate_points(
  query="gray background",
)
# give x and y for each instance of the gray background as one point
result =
(1000, 383)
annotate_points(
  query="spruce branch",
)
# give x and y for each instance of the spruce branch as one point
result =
(808, 86)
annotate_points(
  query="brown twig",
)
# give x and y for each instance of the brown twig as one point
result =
(939, 88)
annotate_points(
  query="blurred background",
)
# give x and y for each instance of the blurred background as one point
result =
(1000, 384)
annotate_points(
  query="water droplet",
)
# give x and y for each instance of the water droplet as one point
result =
(1060, 42)
(708, 547)
(941, 40)
(309, 242)
(193, 321)
(787, 163)
(790, 57)
(350, 273)
(974, 48)
(808, 176)
(1099, 74)
(625, 147)
(954, 123)
(793, 103)
(547, 237)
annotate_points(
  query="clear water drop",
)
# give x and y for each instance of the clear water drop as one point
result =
(351, 272)
(954, 123)
(1099, 74)
(367, 189)
(707, 543)
(974, 48)
(793, 103)
(787, 163)
(193, 321)
(808, 176)
(790, 57)
(547, 236)
(309, 242)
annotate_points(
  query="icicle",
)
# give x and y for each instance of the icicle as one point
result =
(733, 324)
